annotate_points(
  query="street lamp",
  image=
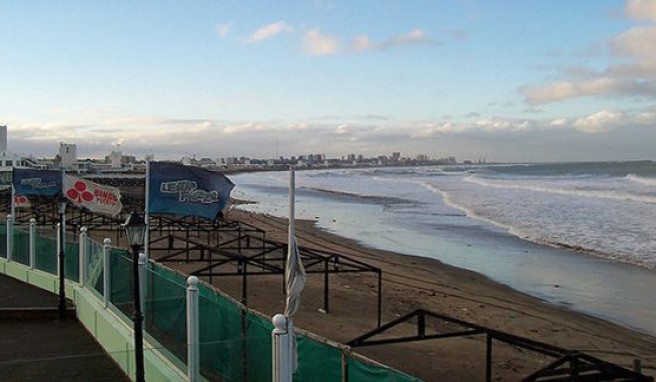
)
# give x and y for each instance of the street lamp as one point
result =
(135, 229)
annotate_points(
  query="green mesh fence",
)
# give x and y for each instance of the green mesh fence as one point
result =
(45, 256)
(359, 371)
(3, 240)
(317, 361)
(166, 310)
(120, 281)
(72, 258)
(21, 245)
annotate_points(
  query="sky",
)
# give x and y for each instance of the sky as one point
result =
(504, 80)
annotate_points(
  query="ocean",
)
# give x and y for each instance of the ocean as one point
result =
(581, 235)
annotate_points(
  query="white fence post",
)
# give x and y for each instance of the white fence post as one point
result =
(32, 242)
(193, 341)
(142, 284)
(10, 236)
(83, 255)
(281, 351)
(107, 247)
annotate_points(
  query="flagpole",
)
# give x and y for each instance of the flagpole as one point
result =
(13, 202)
(292, 203)
(147, 211)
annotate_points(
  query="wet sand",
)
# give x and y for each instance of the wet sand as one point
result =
(412, 282)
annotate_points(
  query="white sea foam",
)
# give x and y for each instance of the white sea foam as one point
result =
(573, 191)
(642, 180)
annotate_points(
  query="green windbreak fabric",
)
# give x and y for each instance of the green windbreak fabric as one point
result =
(121, 281)
(166, 310)
(317, 361)
(362, 372)
(21, 245)
(3, 240)
(45, 257)
(235, 344)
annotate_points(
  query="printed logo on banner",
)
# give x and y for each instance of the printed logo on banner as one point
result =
(93, 196)
(21, 201)
(37, 183)
(79, 193)
(188, 192)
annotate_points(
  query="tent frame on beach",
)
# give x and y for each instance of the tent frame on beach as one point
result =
(570, 365)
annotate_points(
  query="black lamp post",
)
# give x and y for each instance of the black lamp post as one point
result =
(135, 229)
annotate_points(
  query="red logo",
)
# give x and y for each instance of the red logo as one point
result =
(79, 193)
(20, 200)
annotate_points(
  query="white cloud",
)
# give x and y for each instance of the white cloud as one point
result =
(362, 43)
(641, 9)
(415, 36)
(318, 43)
(269, 31)
(598, 122)
(561, 90)
(639, 42)
(633, 75)
(250, 127)
(224, 29)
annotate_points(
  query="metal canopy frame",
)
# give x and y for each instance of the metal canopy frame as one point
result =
(569, 365)
(244, 251)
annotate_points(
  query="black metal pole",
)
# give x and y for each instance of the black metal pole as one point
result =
(62, 263)
(137, 317)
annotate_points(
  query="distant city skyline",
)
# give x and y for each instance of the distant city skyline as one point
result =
(505, 80)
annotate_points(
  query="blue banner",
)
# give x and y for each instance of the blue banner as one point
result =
(187, 191)
(28, 182)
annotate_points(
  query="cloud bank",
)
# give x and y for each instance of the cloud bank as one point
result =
(632, 73)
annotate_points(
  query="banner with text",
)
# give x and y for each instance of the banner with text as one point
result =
(92, 196)
(29, 182)
(186, 190)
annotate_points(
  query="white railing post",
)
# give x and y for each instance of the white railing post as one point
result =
(107, 247)
(281, 350)
(83, 255)
(142, 284)
(32, 242)
(193, 341)
(10, 236)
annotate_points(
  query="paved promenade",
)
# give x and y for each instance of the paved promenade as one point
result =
(36, 346)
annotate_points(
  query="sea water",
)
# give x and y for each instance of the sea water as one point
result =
(576, 234)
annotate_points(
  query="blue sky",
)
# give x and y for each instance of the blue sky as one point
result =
(505, 80)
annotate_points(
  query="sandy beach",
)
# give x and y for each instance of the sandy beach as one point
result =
(412, 282)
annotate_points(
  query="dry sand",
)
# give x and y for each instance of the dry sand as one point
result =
(412, 282)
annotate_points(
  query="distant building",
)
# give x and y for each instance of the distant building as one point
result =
(68, 156)
(115, 159)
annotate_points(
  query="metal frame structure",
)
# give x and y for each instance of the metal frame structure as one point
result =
(569, 365)
(227, 248)
(242, 250)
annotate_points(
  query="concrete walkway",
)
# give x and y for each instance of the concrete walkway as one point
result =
(36, 346)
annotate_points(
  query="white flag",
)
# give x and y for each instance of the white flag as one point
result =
(294, 279)
(93, 196)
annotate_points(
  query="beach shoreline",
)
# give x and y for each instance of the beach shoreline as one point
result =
(412, 282)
